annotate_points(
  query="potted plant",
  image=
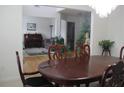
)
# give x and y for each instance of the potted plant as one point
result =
(106, 45)
(82, 36)
(59, 40)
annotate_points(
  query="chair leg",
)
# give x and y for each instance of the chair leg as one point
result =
(78, 85)
(56, 85)
(87, 84)
(99, 81)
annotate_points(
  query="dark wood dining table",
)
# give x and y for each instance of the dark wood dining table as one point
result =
(72, 71)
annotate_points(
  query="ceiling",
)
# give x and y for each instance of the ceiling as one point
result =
(49, 11)
(40, 11)
(73, 12)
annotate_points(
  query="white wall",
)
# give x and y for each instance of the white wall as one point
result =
(78, 20)
(42, 25)
(11, 40)
(39, 11)
(11, 36)
(111, 28)
(105, 28)
(99, 27)
(57, 24)
(116, 29)
(63, 30)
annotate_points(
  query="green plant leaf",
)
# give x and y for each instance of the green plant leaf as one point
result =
(106, 44)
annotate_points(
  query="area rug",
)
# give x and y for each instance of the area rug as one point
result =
(35, 51)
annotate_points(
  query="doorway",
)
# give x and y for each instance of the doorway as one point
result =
(70, 35)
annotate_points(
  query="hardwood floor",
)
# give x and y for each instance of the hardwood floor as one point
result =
(30, 63)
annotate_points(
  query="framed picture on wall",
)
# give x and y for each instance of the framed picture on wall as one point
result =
(31, 26)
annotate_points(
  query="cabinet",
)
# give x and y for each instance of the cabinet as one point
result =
(33, 41)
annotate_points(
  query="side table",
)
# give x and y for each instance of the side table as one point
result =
(106, 52)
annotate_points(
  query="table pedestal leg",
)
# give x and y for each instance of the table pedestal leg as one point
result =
(78, 85)
(87, 84)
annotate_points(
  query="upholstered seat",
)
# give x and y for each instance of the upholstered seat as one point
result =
(38, 81)
(113, 76)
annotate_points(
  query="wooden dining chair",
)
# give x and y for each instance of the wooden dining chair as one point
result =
(56, 52)
(113, 76)
(82, 51)
(38, 81)
(121, 53)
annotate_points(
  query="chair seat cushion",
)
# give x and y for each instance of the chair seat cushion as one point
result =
(38, 81)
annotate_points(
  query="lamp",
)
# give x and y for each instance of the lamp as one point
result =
(51, 28)
(103, 8)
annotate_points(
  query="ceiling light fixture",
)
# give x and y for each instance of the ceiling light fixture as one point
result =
(103, 7)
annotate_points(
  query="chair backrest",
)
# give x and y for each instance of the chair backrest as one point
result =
(20, 69)
(82, 51)
(113, 76)
(56, 52)
(121, 53)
